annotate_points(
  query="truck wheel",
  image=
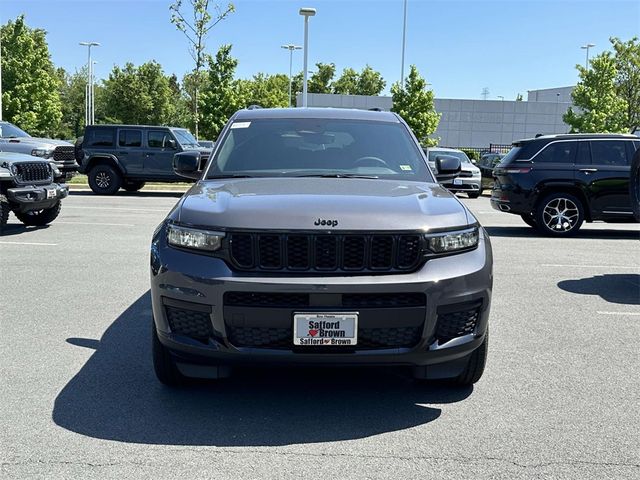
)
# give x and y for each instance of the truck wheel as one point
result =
(474, 194)
(163, 364)
(38, 218)
(132, 186)
(475, 367)
(559, 214)
(104, 180)
(4, 212)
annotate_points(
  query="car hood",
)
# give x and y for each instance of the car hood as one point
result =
(40, 142)
(302, 204)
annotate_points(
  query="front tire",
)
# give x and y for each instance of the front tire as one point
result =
(4, 212)
(163, 363)
(559, 215)
(475, 368)
(104, 180)
(474, 194)
(39, 218)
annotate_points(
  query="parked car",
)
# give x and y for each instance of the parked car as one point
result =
(13, 139)
(207, 143)
(557, 182)
(319, 237)
(487, 163)
(469, 181)
(127, 156)
(28, 188)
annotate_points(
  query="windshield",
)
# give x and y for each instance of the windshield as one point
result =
(8, 130)
(185, 138)
(449, 153)
(319, 147)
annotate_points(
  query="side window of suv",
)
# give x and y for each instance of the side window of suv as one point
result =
(100, 137)
(557, 152)
(130, 138)
(609, 152)
(157, 139)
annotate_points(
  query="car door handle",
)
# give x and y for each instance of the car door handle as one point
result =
(588, 170)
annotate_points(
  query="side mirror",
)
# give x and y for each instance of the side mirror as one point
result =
(447, 167)
(186, 164)
(171, 143)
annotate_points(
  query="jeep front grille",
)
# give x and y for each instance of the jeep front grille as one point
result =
(300, 252)
(28, 172)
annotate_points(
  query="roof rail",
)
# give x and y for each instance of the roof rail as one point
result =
(375, 109)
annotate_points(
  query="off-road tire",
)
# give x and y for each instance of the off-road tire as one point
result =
(561, 200)
(474, 194)
(634, 185)
(163, 363)
(4, 212)
(475, 368)
(39, 218)
(104, 180)
(132, 186)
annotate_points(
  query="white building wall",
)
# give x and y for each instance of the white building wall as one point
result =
(560, 94)
(470, 123)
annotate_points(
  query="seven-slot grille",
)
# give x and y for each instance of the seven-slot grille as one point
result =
(325, 252)
(33, 172)
(466, 174)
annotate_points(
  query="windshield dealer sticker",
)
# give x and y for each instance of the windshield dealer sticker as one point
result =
(240, 125)
(405, 167)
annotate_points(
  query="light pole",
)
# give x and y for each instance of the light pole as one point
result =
(501, 97)
(587, 47)
(306, 13)
(93, 97)
(291, 48)
(404, 37)
(0, 79)
(89, 113)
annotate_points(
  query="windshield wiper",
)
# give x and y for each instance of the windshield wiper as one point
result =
(336, 175)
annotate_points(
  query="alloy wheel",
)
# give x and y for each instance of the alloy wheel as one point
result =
(103, 180)
(560, 215)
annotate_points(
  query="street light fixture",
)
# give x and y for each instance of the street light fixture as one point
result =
(306, 13)
(404, 37)
(587, 47)
(89, 116)
(291, 48)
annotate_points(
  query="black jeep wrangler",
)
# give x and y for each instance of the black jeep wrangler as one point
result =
(31, 188)
(127, 156)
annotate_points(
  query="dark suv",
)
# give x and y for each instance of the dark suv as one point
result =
(127, 156)
(319, 237)
(556, 182)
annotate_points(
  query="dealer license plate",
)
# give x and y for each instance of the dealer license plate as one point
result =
(325, 329)
(51, 193)
(457, 181)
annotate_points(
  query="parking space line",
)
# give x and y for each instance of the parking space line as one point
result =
(100, 224)
(620, 313)
(30, 243)
(554, 265)
(120, 208)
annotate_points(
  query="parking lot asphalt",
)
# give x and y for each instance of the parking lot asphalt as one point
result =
(79, 399)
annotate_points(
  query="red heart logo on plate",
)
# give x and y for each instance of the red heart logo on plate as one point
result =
(313, 333)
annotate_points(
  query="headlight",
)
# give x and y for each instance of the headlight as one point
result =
(194, 238)
(447, 242)
(42, 152)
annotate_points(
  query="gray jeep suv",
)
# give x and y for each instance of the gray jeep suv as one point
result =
(319, 237)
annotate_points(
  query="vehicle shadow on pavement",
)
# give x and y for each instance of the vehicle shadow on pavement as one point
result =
(116, 396)
(525, 231)
(172, 193)
(19, 228)
(613, 288)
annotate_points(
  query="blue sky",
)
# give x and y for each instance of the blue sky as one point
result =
(459, 46)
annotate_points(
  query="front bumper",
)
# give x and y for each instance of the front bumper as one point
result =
(198, 282)
(36, 197)
(469, 184)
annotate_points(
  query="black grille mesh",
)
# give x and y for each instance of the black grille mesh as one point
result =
(324, 252)
(64, 154)
(33, 172)
(456, 324)
(349, 300)
(266, 299)
(190, 323)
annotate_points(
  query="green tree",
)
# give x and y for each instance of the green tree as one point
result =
(627, 58)
(296, 87)
(320, 81)
(595, 95)
(72, 97)
(347, 84)
(414, 103)
(138, 95)
(196, 29)
(268, 91)
(519, 97)
(30, 84)
(222, 96)
(370, 82)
